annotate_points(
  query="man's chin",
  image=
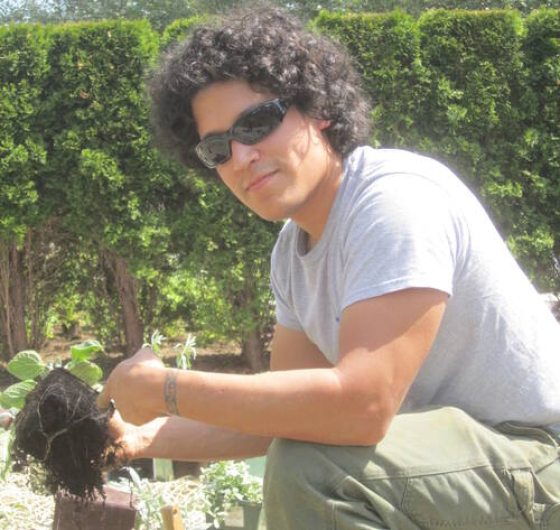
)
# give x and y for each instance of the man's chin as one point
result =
(271, 217)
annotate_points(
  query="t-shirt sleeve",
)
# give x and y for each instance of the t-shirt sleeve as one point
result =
(402, 233)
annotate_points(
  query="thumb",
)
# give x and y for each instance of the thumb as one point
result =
(103, 400)
(145, 353)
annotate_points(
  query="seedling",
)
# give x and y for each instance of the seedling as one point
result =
(58, 424)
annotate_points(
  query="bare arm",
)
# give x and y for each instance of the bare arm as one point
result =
(179, 438)
(183, 439)
(383, 342)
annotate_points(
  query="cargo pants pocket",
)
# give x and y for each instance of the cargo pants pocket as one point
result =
(474, 498)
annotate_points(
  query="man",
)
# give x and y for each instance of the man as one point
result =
(415, 372)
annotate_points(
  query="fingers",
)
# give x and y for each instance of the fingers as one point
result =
(116, 426)
(128, 442)
(130, 415)
(118, 453)
(145, 354)
(125, 386)
(6, 419)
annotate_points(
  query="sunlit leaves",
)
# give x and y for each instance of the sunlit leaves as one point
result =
(26, 365)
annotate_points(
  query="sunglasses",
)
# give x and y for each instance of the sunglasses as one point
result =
(251, 127)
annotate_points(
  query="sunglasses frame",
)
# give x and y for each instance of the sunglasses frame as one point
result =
(278, 104)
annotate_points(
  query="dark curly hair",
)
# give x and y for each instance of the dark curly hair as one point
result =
(271, 51)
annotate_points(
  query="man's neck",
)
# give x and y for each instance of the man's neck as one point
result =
(320, 204)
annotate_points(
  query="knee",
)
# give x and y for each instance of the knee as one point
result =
(296, 485)
(293, 467)
(285, 462)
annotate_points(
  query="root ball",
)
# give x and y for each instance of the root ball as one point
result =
(61, 427)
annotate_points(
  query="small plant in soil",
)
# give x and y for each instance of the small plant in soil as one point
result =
(58, 427)
(226, 484)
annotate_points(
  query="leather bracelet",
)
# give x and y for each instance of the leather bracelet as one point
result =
(170, 391)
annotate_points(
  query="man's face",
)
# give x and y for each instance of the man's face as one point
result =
(279, 176)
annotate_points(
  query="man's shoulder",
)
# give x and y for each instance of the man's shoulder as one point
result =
(395, 176)
(366, 161)
(286, 238)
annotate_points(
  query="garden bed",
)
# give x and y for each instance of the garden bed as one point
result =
(23, 509)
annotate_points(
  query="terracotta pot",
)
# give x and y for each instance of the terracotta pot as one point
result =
(115, 512)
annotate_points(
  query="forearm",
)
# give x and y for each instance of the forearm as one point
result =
(305, 404)
(184, 439)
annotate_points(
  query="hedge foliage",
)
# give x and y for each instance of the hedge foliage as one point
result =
(479, 90)
(23, 71)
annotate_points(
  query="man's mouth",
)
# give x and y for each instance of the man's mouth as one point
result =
(260, 181)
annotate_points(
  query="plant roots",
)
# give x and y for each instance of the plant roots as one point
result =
(61, 427)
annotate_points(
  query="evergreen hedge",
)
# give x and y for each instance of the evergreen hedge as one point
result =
(110, 181)
(538, 229)
(179, 29)
(23, 70)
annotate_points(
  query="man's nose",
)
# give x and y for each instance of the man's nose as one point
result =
(243, 155)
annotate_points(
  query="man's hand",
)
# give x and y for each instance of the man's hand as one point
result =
(136, 387)
(127, 437)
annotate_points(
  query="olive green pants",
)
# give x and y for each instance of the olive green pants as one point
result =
(435, 469)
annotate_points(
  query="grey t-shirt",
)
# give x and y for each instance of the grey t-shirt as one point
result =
(400, 220)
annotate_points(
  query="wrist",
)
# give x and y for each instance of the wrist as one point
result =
(153, 384)
(142, 441)
(134, 443)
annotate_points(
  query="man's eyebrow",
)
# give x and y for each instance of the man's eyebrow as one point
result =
(213, 133)
(224, 131)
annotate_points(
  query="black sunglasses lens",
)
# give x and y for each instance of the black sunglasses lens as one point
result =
(258, 123)
(213, 151)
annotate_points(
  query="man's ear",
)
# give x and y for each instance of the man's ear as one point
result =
(323, 124)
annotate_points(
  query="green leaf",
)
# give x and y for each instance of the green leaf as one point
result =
(156, 340)
(26, 365)
(88, 372)
(85, 350)
(14, 395)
